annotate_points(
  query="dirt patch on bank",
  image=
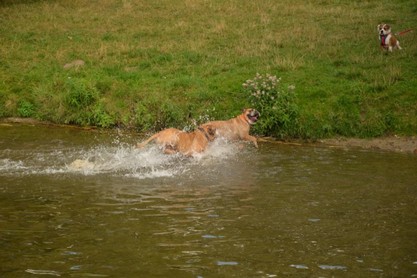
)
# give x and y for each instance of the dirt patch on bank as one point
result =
(392, 143)
(30, 121)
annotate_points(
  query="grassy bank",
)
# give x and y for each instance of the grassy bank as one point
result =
(154, 64)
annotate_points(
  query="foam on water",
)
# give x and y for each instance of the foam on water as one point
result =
(116, 159)
(7, 164)
(124, 160)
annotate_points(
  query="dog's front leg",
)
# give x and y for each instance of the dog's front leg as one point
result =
(251, 139)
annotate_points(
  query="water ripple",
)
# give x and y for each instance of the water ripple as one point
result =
(43, 272)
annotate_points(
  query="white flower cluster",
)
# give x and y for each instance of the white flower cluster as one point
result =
(262, 85)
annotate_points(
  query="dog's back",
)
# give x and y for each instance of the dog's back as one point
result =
(165, 137)
(174, 140)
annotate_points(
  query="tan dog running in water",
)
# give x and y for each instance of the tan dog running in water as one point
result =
(174, 140)
(237, 128)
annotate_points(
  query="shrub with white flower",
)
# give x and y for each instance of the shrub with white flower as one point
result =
(278, 108)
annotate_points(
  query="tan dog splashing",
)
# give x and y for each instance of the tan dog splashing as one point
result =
(236, 128)
(173, 140)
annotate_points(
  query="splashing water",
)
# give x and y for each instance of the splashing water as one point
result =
(125, 160)
(117, 159)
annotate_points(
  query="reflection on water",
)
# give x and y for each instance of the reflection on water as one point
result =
(272, 212)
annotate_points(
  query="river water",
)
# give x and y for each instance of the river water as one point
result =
(276, 211)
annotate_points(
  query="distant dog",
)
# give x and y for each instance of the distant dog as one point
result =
(174, 140)
(237, 128)
(388, 41)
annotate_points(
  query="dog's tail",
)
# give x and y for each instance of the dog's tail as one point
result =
(404, 32)
(144, 143)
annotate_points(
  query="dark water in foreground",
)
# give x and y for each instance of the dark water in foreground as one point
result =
(279, 211)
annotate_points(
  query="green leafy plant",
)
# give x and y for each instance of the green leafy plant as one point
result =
(80, 93)
(101, 117)
(278, 108)
(25, 109)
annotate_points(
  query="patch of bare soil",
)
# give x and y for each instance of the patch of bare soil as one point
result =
(392, 143)
(29, 121)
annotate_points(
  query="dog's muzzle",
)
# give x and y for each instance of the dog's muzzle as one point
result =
(253, 116)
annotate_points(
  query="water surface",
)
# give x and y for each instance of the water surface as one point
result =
(296, 211)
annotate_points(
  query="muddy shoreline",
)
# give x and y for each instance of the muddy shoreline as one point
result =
(390, 143)
(400, 144)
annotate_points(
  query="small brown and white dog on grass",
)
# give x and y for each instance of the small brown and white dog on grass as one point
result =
(388, 40)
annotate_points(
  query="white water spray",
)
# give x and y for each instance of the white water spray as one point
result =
(117, 159)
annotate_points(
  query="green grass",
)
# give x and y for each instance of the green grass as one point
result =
(154, 64)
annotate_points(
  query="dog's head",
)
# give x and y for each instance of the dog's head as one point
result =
(251, 115)
(209, 131)
(384, 29)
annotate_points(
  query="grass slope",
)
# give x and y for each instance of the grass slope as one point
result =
(154, 64)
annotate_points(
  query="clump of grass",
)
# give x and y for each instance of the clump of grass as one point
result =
(25, 109)
(80, 94)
